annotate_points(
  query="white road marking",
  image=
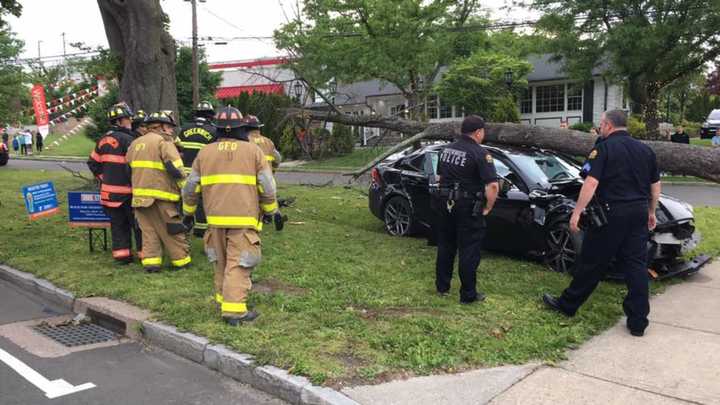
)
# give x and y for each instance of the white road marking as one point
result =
(52, 389)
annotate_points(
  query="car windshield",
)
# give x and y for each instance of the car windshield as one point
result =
(714, 116)
(544, 168)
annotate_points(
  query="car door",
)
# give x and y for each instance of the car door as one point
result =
(415, 183)
(508, 221)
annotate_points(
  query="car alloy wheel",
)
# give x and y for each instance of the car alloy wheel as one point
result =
(398, 216)
(563, 248)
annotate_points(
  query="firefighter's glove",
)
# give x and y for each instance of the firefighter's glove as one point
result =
(279, 220)
(267, 219)
(188, 222)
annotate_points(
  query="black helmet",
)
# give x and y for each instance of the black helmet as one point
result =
(161, 117)
(229, 118)
(118, 111)
(205, 107)
(252, 121)
(139, 117)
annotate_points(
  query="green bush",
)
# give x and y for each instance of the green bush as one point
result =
(504, 110)
(636, 127)
(289, 145)
(582, 126)
(342, 140)
(97, 112)
(692, 128)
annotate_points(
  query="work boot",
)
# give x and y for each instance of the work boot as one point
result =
(187, 266)
(124, 261)
(152, 269)
(248, 316)
(479, 298)
(554, 304)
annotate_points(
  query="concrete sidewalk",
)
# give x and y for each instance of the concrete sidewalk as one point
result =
(677, 362)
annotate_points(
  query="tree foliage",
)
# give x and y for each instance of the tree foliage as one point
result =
(208, 81)
(269, 108)
(647, 43)
(14, 95)
(477, 84)
(401, 42)
(98, 113)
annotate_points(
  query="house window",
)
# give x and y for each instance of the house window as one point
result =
(432, 107)
(575, 96)
(459, 112)
(526, 101)
(398, 111)
(445, 110)
(550, 98)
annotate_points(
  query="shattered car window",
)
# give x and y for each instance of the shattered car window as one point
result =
(544, 168)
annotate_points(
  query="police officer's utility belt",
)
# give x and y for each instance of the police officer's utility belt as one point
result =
(455, 194)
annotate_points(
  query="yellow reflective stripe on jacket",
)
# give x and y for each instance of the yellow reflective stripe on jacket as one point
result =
(269, 207)
(152, 261)
(177, 163)
(189, 209)
(228, 179)
(181, 262)
(147, 164)
(149, 192)
(234, 221)
(192, 145)
(239, 307)
(270, 158)
(181, 183)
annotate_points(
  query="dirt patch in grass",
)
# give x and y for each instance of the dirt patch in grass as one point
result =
(274, 286)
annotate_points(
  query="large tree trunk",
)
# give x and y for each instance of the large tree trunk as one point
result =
(136, 33)
(692, 160)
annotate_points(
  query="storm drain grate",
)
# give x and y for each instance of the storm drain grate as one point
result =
(77, 335)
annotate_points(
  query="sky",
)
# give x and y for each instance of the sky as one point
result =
(46, 20)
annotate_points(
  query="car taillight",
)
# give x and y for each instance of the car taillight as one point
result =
(376, 176)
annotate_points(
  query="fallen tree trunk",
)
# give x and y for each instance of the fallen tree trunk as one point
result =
(699, 161)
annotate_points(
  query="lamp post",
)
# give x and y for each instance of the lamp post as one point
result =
(332, 86)
(298, 90)
(509, 79)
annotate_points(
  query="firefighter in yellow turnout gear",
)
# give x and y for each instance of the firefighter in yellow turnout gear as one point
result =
(238, 193)
(272, 155)
(157, 178)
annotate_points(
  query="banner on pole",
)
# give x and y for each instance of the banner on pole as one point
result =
(41, 114)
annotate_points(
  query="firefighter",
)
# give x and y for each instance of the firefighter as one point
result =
(138, 123)
(232, 166)
(272, 155)
(192, 138)
(157, 176)
(107, 162)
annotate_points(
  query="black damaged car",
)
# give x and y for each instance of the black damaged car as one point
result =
(538, 190)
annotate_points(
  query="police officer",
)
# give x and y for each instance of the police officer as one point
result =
(622, 175)
(253, 125)
(138, 123)
(232, 166)
(156, 178)
(107, 162)
(192, 138)
(467, 192)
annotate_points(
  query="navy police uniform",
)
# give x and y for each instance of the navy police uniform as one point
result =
(464, 168)
(625, 168)
(192, 139)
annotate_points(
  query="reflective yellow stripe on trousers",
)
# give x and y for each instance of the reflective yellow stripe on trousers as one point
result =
(152, 261)
(228, 179)
(221, 221)
(270, 207)
(239, 307)
(181, 262)
(149, 192)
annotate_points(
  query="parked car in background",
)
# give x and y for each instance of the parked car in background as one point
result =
(711, 126)
(530, 218)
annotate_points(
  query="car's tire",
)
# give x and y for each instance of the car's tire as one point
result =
(4, 159)
(563, 246)
(398, 216)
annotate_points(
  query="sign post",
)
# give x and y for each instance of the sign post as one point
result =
(85, 211)
(40, 200)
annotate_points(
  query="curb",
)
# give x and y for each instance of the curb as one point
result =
(52, 158)
(241, 367)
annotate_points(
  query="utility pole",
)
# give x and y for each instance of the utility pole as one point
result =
(195, 67)
(64, 56)
(39, 56)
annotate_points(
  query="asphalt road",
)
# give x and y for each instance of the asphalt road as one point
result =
(128, 373)
(697, 195)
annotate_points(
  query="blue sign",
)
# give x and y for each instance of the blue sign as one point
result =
(40, 199)
(84, 209)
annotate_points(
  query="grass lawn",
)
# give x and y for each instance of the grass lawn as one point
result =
(701, 142)
(341, 301)
(354, 160)
(74, 145)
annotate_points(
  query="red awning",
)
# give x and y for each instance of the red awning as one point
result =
(230, 92)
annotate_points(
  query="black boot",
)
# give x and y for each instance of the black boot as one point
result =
(248, 316)
(553, 303)
(152, 269)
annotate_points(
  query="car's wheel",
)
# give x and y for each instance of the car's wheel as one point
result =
(563, 247)
(397, 215)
